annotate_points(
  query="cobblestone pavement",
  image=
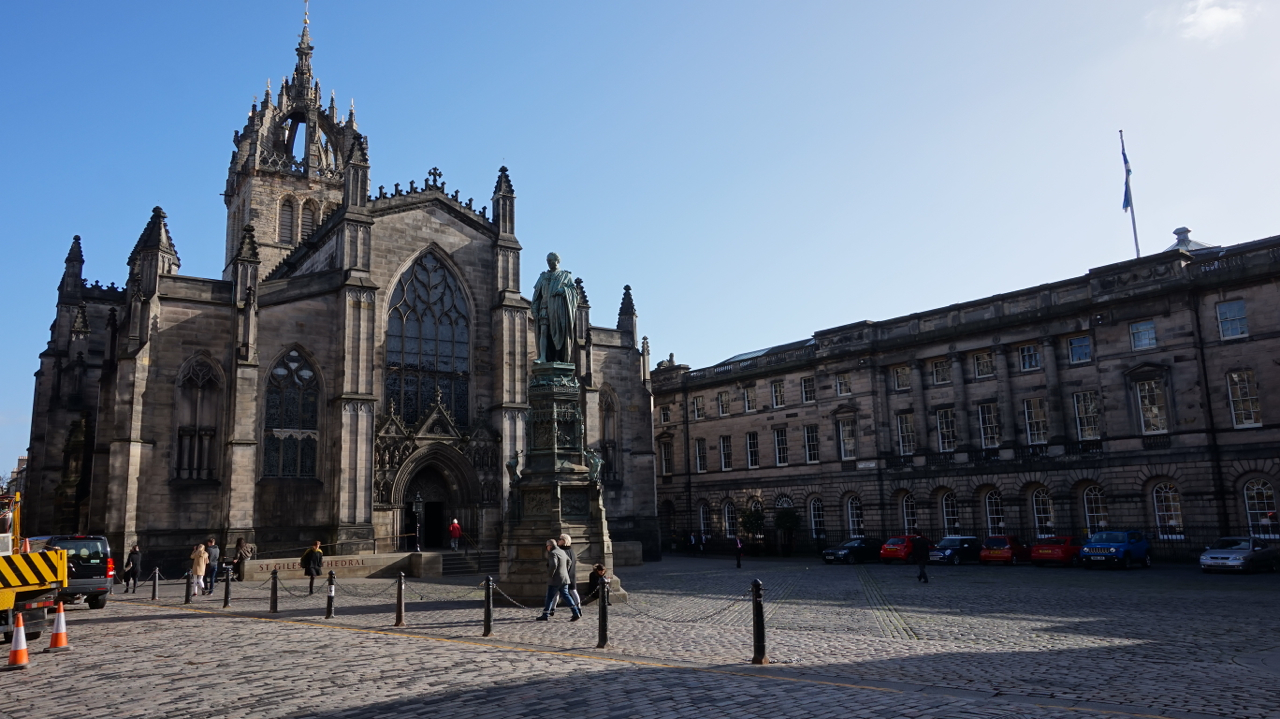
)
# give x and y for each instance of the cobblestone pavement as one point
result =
(861, 641)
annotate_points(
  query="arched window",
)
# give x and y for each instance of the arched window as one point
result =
(1042, 510)
(308, 220)
(1260, 506)
(782, 502)
(756, 506)
(853, 513)
(817, 520)
(291, 430)
(199, 400)
(704, 518)
(1095, 509)
(950, 514)
(428, 343)
(1167, 502)
(908, 514)
(608, 436)
(285, 235)
(995, 512)
(730, 520)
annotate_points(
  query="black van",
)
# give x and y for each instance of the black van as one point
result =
(90, 568)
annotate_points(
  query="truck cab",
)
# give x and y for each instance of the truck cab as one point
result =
(29, 580)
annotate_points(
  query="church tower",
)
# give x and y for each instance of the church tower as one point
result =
(286, 173)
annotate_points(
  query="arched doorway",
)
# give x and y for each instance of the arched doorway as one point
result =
(426, 510)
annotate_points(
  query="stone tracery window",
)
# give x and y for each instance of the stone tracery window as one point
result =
(285, 235)
(199, 399)
(291, 430)
(428, 343)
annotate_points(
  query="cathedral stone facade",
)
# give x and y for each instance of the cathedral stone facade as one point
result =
(358, 374)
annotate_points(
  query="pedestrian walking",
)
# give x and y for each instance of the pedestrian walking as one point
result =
(455, 533)
(738, 543)
(312, 562)
(243, 553)
(920, 553)
(693, 543)
(566, 543)
(199, 558)
(132, 567)
(594, 580)
(702, 543)
(558, 582)
(215, 556)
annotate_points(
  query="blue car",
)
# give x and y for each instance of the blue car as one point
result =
(1117, 549)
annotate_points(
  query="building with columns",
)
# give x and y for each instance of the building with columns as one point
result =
(1144, 395)
(357, 375)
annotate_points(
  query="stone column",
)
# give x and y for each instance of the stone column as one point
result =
(1004, 394)
(880, 409)
(961, 400)
(918, 412)
(1053, 390)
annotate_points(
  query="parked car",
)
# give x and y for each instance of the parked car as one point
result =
(1004, 548)
(1059, 550)
(1240, 554)
(859, 549)
(956, 550)
(899, 548)
(90, 567)
(1116, 549)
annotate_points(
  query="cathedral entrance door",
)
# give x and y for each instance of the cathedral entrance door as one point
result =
(433, 525)
(426, 506)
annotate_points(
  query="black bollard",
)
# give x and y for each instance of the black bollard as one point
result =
(226, 593)
(757, 623)
(328, 607)
(400, 601)
(155, 584)
(488, 606)
(275, 591)
(191, 578)
(603, 602)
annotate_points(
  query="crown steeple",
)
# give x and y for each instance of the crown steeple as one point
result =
(302, 71)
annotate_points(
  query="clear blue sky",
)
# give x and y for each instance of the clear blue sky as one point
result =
(756, 171)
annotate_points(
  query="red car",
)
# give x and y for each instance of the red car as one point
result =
(1058, 550)
(900, 548)
(1005, 549)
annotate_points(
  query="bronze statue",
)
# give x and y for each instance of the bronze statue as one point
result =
(555, 309)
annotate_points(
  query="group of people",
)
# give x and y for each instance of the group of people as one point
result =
(562, 580)
(206, 560)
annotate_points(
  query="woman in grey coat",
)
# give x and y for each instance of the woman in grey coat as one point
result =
(558, 582)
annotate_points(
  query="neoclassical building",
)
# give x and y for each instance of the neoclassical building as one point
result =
(358, 373)
(1144, 394)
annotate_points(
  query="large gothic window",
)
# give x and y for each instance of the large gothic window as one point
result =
(291, 431)
(199, 397)
(428, 343)
(285, 234)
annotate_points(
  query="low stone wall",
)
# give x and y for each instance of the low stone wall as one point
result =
(628, 554)
(352, 566)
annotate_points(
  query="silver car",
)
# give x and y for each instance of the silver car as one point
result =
(1240, 554)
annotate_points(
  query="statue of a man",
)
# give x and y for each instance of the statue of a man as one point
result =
(555, 309)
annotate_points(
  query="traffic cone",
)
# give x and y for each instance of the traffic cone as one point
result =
(18, 649)
(58, 642)
(26, 546)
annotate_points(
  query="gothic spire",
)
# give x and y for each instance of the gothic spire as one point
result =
(504, 204)
(155, 238)
(75, 255)
(302, 71)
(72, 276)
(248, 251)
(628, 307)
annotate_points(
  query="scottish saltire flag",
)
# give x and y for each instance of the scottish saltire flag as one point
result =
(1128, 194)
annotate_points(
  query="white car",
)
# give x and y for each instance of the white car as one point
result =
(1240, 554)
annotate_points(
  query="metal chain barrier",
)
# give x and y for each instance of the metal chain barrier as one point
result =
(732, 603)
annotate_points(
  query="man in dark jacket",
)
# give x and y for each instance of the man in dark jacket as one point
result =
(132, 568)
(920, 553)
(312, 562)
(215, 557)
(558, 582)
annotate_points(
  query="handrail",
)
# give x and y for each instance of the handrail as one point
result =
(290, 552)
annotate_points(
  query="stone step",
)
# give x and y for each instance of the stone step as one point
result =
(481, 562)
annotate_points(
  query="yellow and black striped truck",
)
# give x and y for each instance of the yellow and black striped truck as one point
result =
(29, 581)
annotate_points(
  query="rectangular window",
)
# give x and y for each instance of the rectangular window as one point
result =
(1029, 356)
(941, 371)
(753, 450)
(1231, 320)
(1142, 335)
(779, 393)
(989, 424)
(946, 430)
(1081, 349)
(1155, 418)
(665, 413)
(668, 461)
(749, 399)
(1244, 399)
(843, 386)
(984, 365)
(848, 441)
(726, 453)
(902, 377)
(811, 443)
(1087, 416)
(906, 434)
(699, 409)
(780, 447)
(1036, 417)
(722, 403)
(808, 393)
(700, 455)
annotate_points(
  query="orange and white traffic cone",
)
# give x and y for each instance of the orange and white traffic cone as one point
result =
(18, 649)
(26, 547)
(58, 642)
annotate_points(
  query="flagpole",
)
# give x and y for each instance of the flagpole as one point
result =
(1128, 196)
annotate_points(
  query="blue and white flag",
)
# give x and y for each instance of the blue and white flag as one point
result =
(1128, 194)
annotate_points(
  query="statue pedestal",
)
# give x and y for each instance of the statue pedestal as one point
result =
(555, 494)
